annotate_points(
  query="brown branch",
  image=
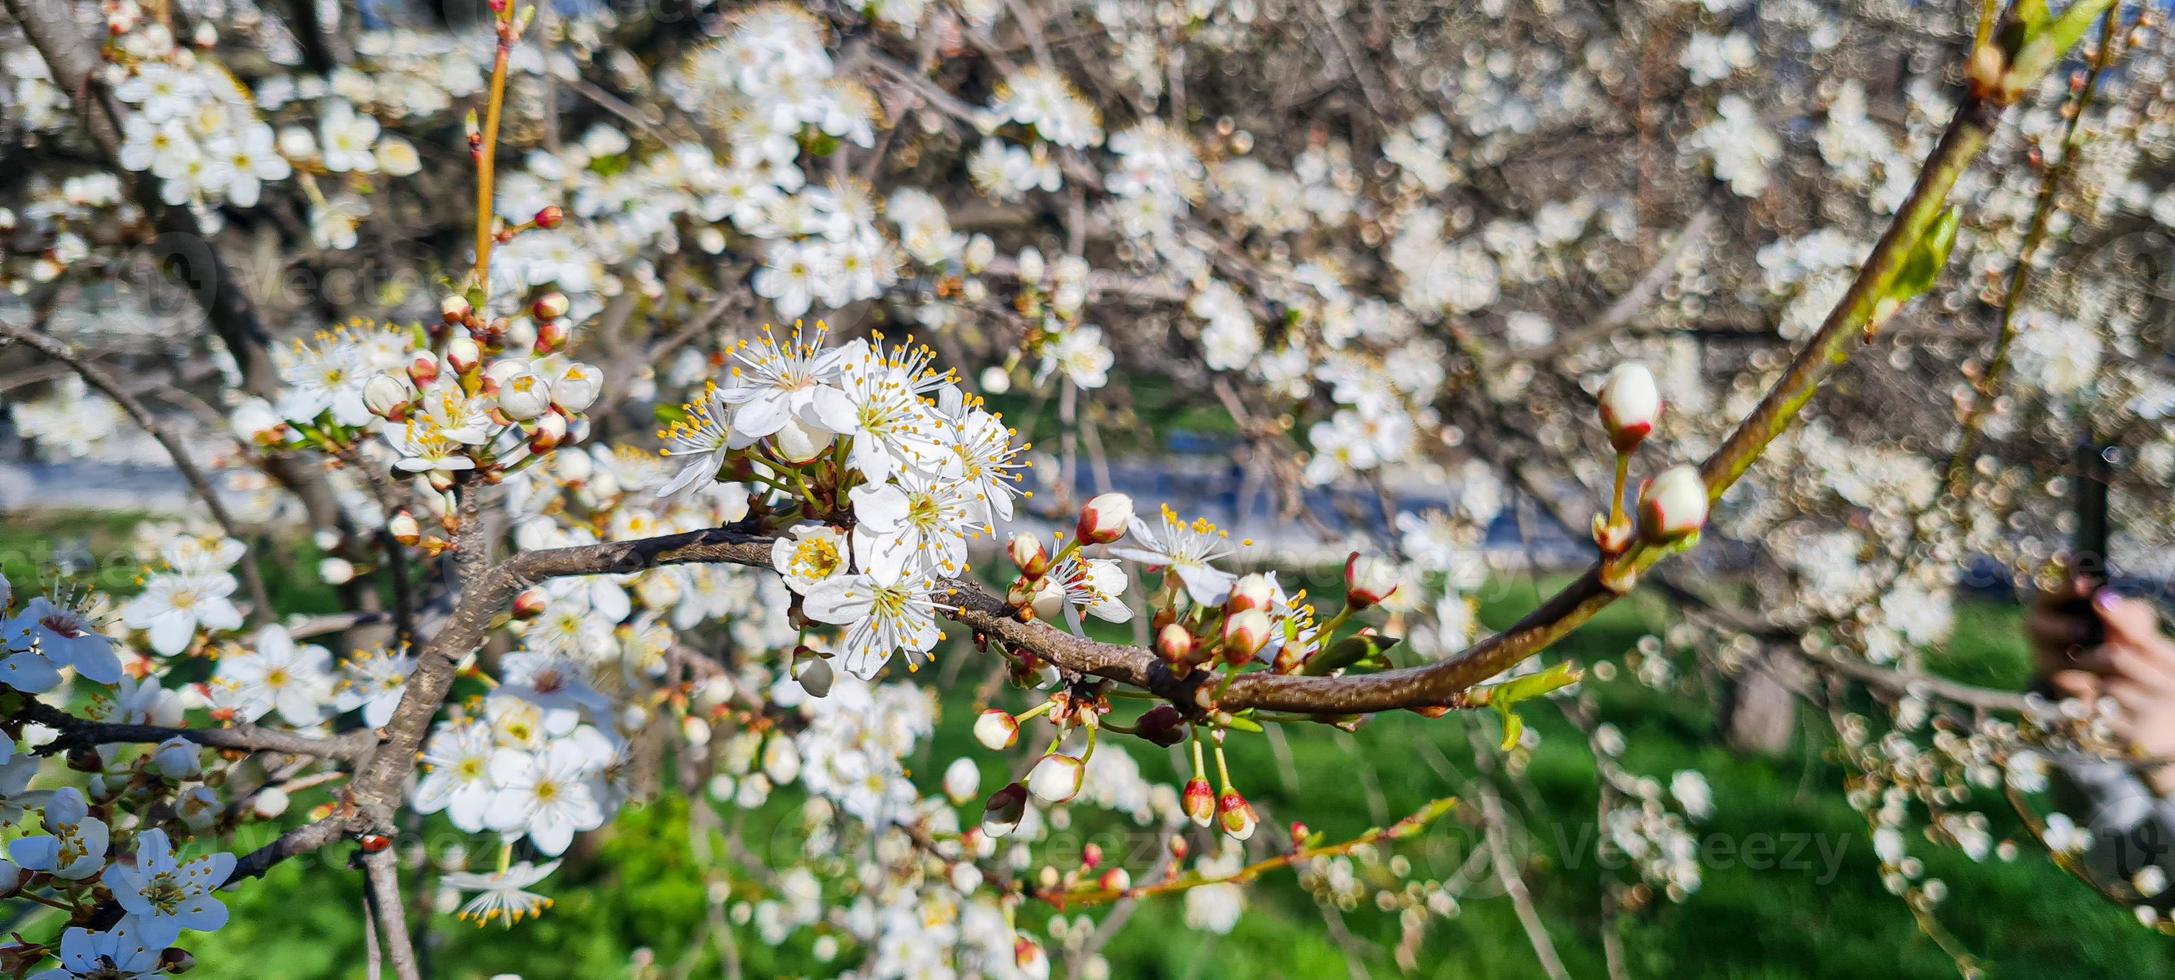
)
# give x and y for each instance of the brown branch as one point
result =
(259, 599)
(382, 871)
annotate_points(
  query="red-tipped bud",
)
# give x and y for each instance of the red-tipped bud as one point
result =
(1253, 591)
(1368, 580)
(1174, 643)
(386, 395)
(1298, 835)
(462, 354)
(1162, 725)
(455, 308)
(373, 843)
(997, 730)
(550, 306)
(1236, 814)
(1057, 778)
(423, 369)
(529, 604)
(1198, 801)
(1244, 635)
(1672, 504)
(1091, 855)
(1114, 880)
(1630, 405)
(1029, 555)
(550, 216)
(1104, 519)
(1002, 813)
(550, 432)
(1179, 847)
(551, 335)
(1031, 961)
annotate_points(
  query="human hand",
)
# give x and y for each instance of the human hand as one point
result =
(2134, 665)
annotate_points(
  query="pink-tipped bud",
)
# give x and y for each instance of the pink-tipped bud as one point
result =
(423, 368)
(1672, 504)
(1236, 814)
(550, 432)
(1114, 880)
(1630, 405)
(1091, 855)
(462, 354)
(1174, 643)
(455, 308)
(550, 306)
(551, 335)
(1104, 519)
(1029, 555)
(1298, 835)
(997, 730)
(387, 395)
(1029, 959)
(1244, 635)
(1253, 591)
(1368, 580)
(1057, 778)
(529, 604)
(1002, 813)
(550, 216)
(404, 528)
(1198, 801)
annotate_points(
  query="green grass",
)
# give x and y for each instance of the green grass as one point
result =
(638, 884)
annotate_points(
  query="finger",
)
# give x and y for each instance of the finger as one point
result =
(2141, 667)
(2128, 620)
(2077, 684)
(2136, 699)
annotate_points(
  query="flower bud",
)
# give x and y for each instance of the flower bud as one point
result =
(1057, 778)
(1672, 504)
(800, 443)
(387, 396)
(1104, 518)
(1049, 599)
(336, 571)
(576, 388)
(423, 368)
(1029, 958)
(270, 803)
(404, 528)
(817, 677)
(1091, 855)
(1198, 801)
(1173, 643)
(175, 758)
(11, 878)
(455, 308)
(1236, 814)
(1253, 591)
(523, 396)
(1004, 809)
(1028, 553)
(550, 216)
(174, 961)
(1162, 725)
(1630, 405)
(550, 432)
(997, 730)
(1114, 880)
(1368, 581)
(550, 335)
(962, 779)
(550, 306)
(1244, 635)
(462, 354)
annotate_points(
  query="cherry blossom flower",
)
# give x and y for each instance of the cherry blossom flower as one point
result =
(1186, 550)
(174, 606)
(882, 616)
(163, 896)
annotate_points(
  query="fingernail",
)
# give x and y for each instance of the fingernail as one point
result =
(2106, 599)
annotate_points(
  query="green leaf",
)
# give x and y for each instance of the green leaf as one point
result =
(1504, 697)
(1923, 266)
